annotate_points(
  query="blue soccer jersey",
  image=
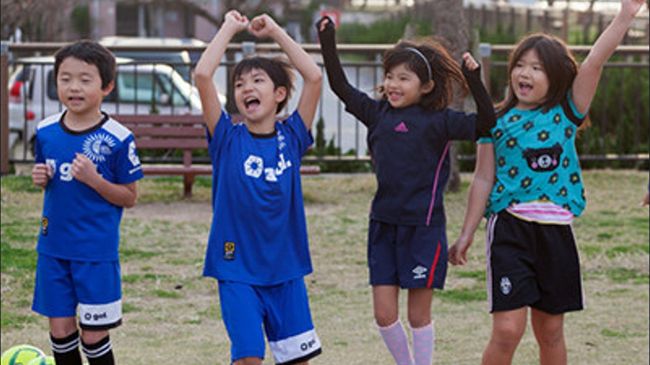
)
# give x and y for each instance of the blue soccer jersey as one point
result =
(258, 234)
(77, 222)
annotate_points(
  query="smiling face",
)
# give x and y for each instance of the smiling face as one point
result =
(529, 81)
(403, 88)
(256, 96)
(79, 87)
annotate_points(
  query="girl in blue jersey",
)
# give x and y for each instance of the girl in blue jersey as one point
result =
(528, 173)
(258, 249)
(409, 133)
(88, 165)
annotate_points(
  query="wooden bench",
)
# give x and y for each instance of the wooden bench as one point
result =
(176, 132)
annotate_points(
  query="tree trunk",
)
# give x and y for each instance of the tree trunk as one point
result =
(448, 22)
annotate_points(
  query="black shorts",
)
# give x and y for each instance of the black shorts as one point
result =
(407, 256)
(532, 264)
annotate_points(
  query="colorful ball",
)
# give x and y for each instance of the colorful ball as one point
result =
(21, 355)
(49, 360)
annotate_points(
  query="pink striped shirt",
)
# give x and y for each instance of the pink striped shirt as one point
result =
(541, 212)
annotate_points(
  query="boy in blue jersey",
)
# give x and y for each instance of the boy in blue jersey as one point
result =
(88, 165)
(258, 249)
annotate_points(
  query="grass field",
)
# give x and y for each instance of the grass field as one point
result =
(171, 313)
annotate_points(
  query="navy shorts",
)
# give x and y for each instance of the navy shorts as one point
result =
(407, 256)
(94, 288)
(532, 264)
(283, 311)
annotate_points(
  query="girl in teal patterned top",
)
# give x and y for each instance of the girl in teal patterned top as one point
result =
(528, 182)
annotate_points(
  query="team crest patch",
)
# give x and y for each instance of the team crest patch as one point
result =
(506, 285)
(44, 223)
(97, 146)
(229, 251)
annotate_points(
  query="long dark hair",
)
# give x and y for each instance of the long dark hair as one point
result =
(559, 65)
(445, 71)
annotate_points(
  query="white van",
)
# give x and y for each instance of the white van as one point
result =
(139, 89)
(181, 61)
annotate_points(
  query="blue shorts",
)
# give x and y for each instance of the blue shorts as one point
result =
(282, 309)
(407, 256)
(94, 288)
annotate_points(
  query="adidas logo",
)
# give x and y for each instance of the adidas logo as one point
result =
(401, 128)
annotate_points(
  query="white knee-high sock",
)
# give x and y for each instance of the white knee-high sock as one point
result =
(423, 344)
(395, 339)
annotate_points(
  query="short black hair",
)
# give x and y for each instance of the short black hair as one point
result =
(278, 69)
(92, 53)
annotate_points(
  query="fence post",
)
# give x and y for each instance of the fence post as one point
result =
(4, 106)
(485, 52)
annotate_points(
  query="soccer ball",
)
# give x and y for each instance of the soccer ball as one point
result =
(21, 355)
(49, 360)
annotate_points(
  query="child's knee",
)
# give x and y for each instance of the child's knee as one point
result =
(91, 337)
(508, 332)
(62, 327)
(418, 320)
(385, 318)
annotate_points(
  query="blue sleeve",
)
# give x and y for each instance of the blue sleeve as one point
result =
(460, 126)
(38, 150)
(297, 128)
(127, 163)
(220, 130)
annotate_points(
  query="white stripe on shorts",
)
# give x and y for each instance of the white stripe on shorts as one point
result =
(100, 314)
(295, 347)
(489, 238)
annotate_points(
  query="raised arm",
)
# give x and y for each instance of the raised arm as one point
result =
(327, 38)
(264, 26)
(486, 116)
(479, 192)
(586, 81)
(208, 63)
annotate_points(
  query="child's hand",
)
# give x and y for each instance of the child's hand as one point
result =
(41, 174)
(84, 170)
(458, 252)
(324, 23)
(646, 200)
(263, 26)
(234, 19)
(469, 62)
(631, 7)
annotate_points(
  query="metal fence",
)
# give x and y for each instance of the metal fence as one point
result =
(343, 134)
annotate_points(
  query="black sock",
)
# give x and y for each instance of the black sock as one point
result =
(66, 350)
(100, 353)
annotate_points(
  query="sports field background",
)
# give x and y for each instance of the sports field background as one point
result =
(172, 314)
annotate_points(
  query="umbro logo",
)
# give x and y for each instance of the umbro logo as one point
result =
(401, 128)
(419, 272)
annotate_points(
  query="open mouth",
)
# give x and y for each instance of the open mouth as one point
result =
(393, 96)
(251, 103)
(525, 88)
